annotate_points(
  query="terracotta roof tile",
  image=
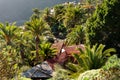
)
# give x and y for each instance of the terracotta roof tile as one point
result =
(66, 52)
(58, 46)
(73, 49)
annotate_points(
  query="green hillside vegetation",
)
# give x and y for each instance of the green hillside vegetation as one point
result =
(94, 23)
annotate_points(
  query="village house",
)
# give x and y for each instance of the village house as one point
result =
(64, 53)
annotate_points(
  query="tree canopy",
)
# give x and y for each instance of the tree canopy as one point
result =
(104, 26)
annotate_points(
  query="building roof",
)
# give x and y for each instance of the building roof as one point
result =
(73, 49)
(58, 46)
(64, 52)
(62, 58)
(40, 71)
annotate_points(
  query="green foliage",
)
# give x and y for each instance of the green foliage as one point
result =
(77, 36)
(73, 16)
(8, 32)
(46, 51)
(64, 18)
(54, 20)
(36, 14)
(59, 31)
(49, 18)
(60, 74)
(25, 44)
(21, 78)
(9, 63)
(38, 28)
(59, 11)
(93, 58)
(112, 63)
(75, 70)
(103, 26)
(110, 71)
(19, 75)
(89, 58)
(73, 67)
(89, 75)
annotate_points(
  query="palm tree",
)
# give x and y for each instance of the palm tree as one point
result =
(23, 44)
(14, 37)
(8, 32)
(36, 14)
(38, 28)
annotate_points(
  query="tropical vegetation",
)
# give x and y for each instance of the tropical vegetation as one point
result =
(110, 71)
(93, 23)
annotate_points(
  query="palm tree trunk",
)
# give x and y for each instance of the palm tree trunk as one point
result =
(22, 53)
(8, 42)
(37, 48)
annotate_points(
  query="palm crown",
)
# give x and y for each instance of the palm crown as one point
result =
(8, 32)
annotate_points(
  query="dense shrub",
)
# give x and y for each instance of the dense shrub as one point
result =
(111, 71)
(104, 26)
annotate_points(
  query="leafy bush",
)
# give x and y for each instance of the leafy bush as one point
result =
(76, 36)
(21, 78)
(46, 51)
(110, 71)
(113, 62)
(60, 74)
(89, 58)
(103, 26)
(9, 61)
